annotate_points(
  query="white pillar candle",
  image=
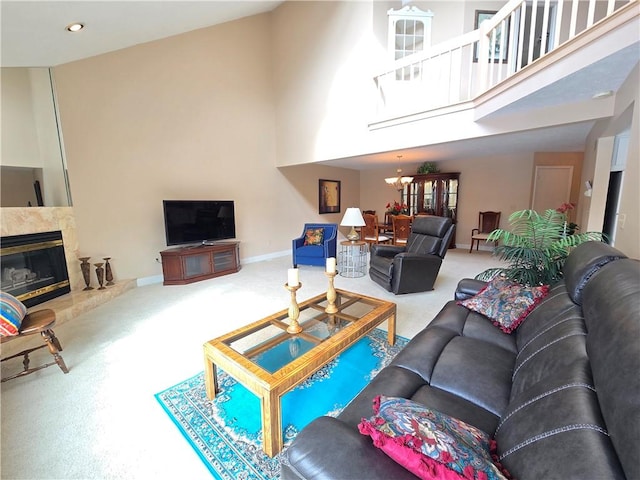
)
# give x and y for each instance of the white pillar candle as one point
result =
(292, 277)
(331, 265)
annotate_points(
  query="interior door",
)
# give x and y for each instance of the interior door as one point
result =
(551, 187)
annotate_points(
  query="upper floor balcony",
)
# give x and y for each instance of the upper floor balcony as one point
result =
(531, 54)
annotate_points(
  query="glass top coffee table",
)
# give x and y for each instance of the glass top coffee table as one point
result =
(269, 362)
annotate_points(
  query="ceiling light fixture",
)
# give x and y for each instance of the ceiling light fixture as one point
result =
(399, 182)
(605, 94)
(74, 27)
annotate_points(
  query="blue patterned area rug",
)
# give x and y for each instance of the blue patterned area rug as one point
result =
(226, 432)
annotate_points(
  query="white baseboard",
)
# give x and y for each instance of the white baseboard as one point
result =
(485, 248)
(268, 256)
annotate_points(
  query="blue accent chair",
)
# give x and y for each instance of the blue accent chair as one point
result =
(315, 254)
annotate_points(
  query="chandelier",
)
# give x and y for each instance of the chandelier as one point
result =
(399, 182)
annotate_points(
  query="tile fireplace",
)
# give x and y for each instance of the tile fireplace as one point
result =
(33, 267)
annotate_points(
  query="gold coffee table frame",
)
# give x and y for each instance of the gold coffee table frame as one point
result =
(271, 386)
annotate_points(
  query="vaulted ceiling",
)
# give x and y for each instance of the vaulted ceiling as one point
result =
(33, 34)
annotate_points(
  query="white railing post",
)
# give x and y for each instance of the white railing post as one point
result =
(558, 23)
(483, 59)
(523, 19)
(592, 12)
(532, 31)
(574, 18)
(545, 29)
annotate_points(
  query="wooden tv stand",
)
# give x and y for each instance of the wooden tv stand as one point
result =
(184, 265)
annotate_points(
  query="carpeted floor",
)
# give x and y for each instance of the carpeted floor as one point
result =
(101, 420)
(226, 432)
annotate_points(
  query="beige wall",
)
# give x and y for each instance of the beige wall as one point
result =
(322, 77)
(182, 118)
(189, 117)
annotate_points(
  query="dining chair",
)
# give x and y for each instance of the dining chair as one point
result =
(371, 231)
(401, 229)
(487, 222)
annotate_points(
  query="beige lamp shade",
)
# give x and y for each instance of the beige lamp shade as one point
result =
(353, 218)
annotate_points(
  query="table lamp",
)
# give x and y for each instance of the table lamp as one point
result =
(352, 218)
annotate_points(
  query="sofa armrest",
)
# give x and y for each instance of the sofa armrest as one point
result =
(389, 251)
(414, 272)
(406, 260)
(329, 448)
(468, 287)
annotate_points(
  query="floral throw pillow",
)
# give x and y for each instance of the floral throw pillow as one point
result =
(505, 302)
(313, 236)
(12, 312)
(428, 443)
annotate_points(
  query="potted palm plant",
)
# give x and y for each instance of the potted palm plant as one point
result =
(536, 246)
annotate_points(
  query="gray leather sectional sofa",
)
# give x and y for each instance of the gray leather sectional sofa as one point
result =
(560, 395)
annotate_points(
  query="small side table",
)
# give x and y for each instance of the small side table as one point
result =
(352, 261)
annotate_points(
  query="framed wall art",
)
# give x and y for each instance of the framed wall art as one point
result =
(499, 56)
(328, 196)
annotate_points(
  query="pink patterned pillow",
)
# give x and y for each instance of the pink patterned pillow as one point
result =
(505, 302)
(428, 443)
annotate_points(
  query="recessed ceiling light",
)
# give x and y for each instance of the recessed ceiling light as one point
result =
(604, 94)
(74, 27)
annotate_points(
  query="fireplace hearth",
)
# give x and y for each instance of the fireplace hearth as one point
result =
(33, 267)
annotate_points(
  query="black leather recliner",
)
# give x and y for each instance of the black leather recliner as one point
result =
(414, 267)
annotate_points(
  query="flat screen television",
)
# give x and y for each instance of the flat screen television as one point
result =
(198, 221)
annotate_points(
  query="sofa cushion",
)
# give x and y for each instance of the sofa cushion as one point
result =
(428, 443)
(314, 236)
(12, 312)
(467, 323)
(505, 302)
(311, 251)
(322, 448)
(585, 260)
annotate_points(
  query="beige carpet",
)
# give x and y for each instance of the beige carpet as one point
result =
(101, 420)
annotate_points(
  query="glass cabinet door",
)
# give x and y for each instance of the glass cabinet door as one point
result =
(429, 196)
(450, 200)
(433, 194)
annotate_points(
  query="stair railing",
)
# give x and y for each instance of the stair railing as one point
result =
(460, 69)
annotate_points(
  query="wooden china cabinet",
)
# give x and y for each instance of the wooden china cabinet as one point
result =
(434, 194)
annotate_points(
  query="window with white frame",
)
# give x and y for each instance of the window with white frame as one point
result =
(409, 32)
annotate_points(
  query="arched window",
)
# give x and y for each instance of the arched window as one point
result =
(409, 31)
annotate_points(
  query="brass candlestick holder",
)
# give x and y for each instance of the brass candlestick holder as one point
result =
(100, 275)
(294, 310)
(85, 267)
(108, 273)
(331, 294)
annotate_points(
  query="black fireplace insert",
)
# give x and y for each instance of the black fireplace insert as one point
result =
(33, 267)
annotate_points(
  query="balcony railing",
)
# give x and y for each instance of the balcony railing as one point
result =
(461, 69)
